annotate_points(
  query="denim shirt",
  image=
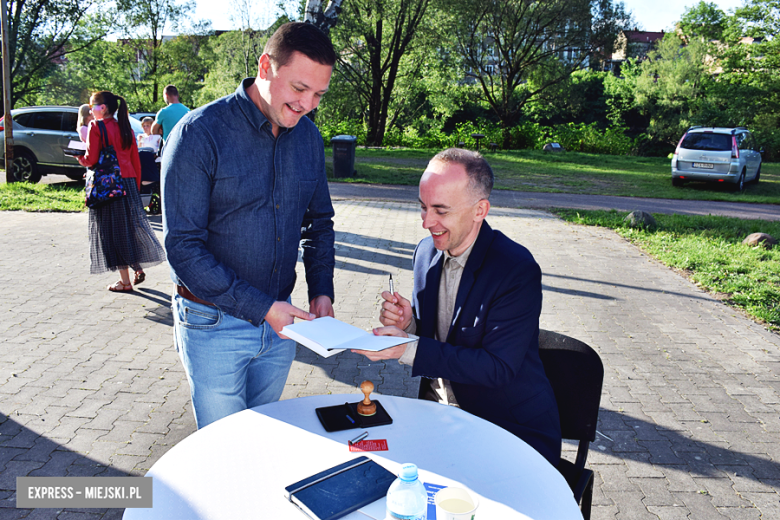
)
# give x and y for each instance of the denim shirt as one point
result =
(237, 202)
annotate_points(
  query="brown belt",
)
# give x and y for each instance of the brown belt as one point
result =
(185, 293)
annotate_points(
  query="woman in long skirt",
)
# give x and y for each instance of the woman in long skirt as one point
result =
(120, 236)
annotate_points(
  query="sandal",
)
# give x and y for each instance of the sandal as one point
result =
(120, 287)
(140, 276)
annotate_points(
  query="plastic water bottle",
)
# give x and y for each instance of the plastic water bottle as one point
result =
(406, 498)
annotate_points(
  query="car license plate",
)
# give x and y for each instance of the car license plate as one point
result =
(705, 165)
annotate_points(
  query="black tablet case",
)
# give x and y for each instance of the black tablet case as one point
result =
(340, 490)
(334, 418)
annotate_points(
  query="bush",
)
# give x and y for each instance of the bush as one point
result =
(426, 133)
(527, 136)
(330, 128)
(765, 129)
(590, 138)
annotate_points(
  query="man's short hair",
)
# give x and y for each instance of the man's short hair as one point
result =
(171, 90)
(300, 37)
(479, 171)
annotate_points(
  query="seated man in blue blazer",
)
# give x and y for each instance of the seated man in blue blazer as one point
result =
(476, 305)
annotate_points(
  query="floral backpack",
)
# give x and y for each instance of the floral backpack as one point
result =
(104, 180)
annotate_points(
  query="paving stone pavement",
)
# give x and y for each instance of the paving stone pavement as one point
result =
(690, 414)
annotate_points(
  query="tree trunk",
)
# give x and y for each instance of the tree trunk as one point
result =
(375, 133)
(506, 135)
(154, 67)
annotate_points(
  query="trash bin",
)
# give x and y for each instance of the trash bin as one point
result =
(343, 155)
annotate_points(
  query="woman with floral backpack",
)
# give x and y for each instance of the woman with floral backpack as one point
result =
(120, 237)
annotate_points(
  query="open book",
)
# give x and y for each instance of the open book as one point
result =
(75, 148)
(328, 336)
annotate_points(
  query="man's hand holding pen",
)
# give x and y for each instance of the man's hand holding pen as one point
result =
(395, 315)
(396, 311)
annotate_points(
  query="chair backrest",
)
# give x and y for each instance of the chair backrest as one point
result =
(150, 169)
(576, 374)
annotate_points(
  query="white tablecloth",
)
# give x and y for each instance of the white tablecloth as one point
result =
(237, 468)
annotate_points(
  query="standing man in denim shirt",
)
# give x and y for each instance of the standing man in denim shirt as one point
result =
(243, 182)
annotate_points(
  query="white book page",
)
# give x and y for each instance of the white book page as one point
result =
(311, 345)
(328, 336)
(327, 332)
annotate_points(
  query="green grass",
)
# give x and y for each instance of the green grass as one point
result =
(710, 252)
(42, 197)
(523, 170)
(569, 172)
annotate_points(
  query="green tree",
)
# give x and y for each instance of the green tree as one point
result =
(580, 98)
(703, 20)
(426, 93)
(232, 57)
(621, 100)
(505, 43)
(671, 87)
(184, 64)
(145, 22)
(105, 65)
(747, 89)
(758, 18)
(376, 40)
(43, 33)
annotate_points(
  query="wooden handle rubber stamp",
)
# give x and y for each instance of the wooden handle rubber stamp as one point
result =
(366, 407)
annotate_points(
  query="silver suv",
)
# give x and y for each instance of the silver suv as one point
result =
(715, 154)
(40, 136)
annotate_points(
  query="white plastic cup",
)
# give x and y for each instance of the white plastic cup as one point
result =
(455, 504)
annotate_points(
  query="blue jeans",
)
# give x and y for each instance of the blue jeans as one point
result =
(231, 365)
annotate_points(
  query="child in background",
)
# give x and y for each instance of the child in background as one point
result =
(82, 124)
(149, 140)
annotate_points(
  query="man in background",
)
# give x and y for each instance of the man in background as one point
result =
(168, 116)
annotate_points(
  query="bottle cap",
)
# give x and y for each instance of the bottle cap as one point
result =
(408, 472)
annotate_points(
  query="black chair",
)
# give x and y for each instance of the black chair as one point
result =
(576, 374)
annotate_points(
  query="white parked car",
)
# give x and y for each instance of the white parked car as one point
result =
(715, 154)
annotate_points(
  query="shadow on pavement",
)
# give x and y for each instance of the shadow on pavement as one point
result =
(627, 438)
(26, 453)
(369, 241)
(613, 284)
(153, 296)
(575, 292)
(372, 250)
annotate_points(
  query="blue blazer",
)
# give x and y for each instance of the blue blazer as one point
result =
(491, 355)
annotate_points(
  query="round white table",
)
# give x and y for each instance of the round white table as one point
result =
(237, 468)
